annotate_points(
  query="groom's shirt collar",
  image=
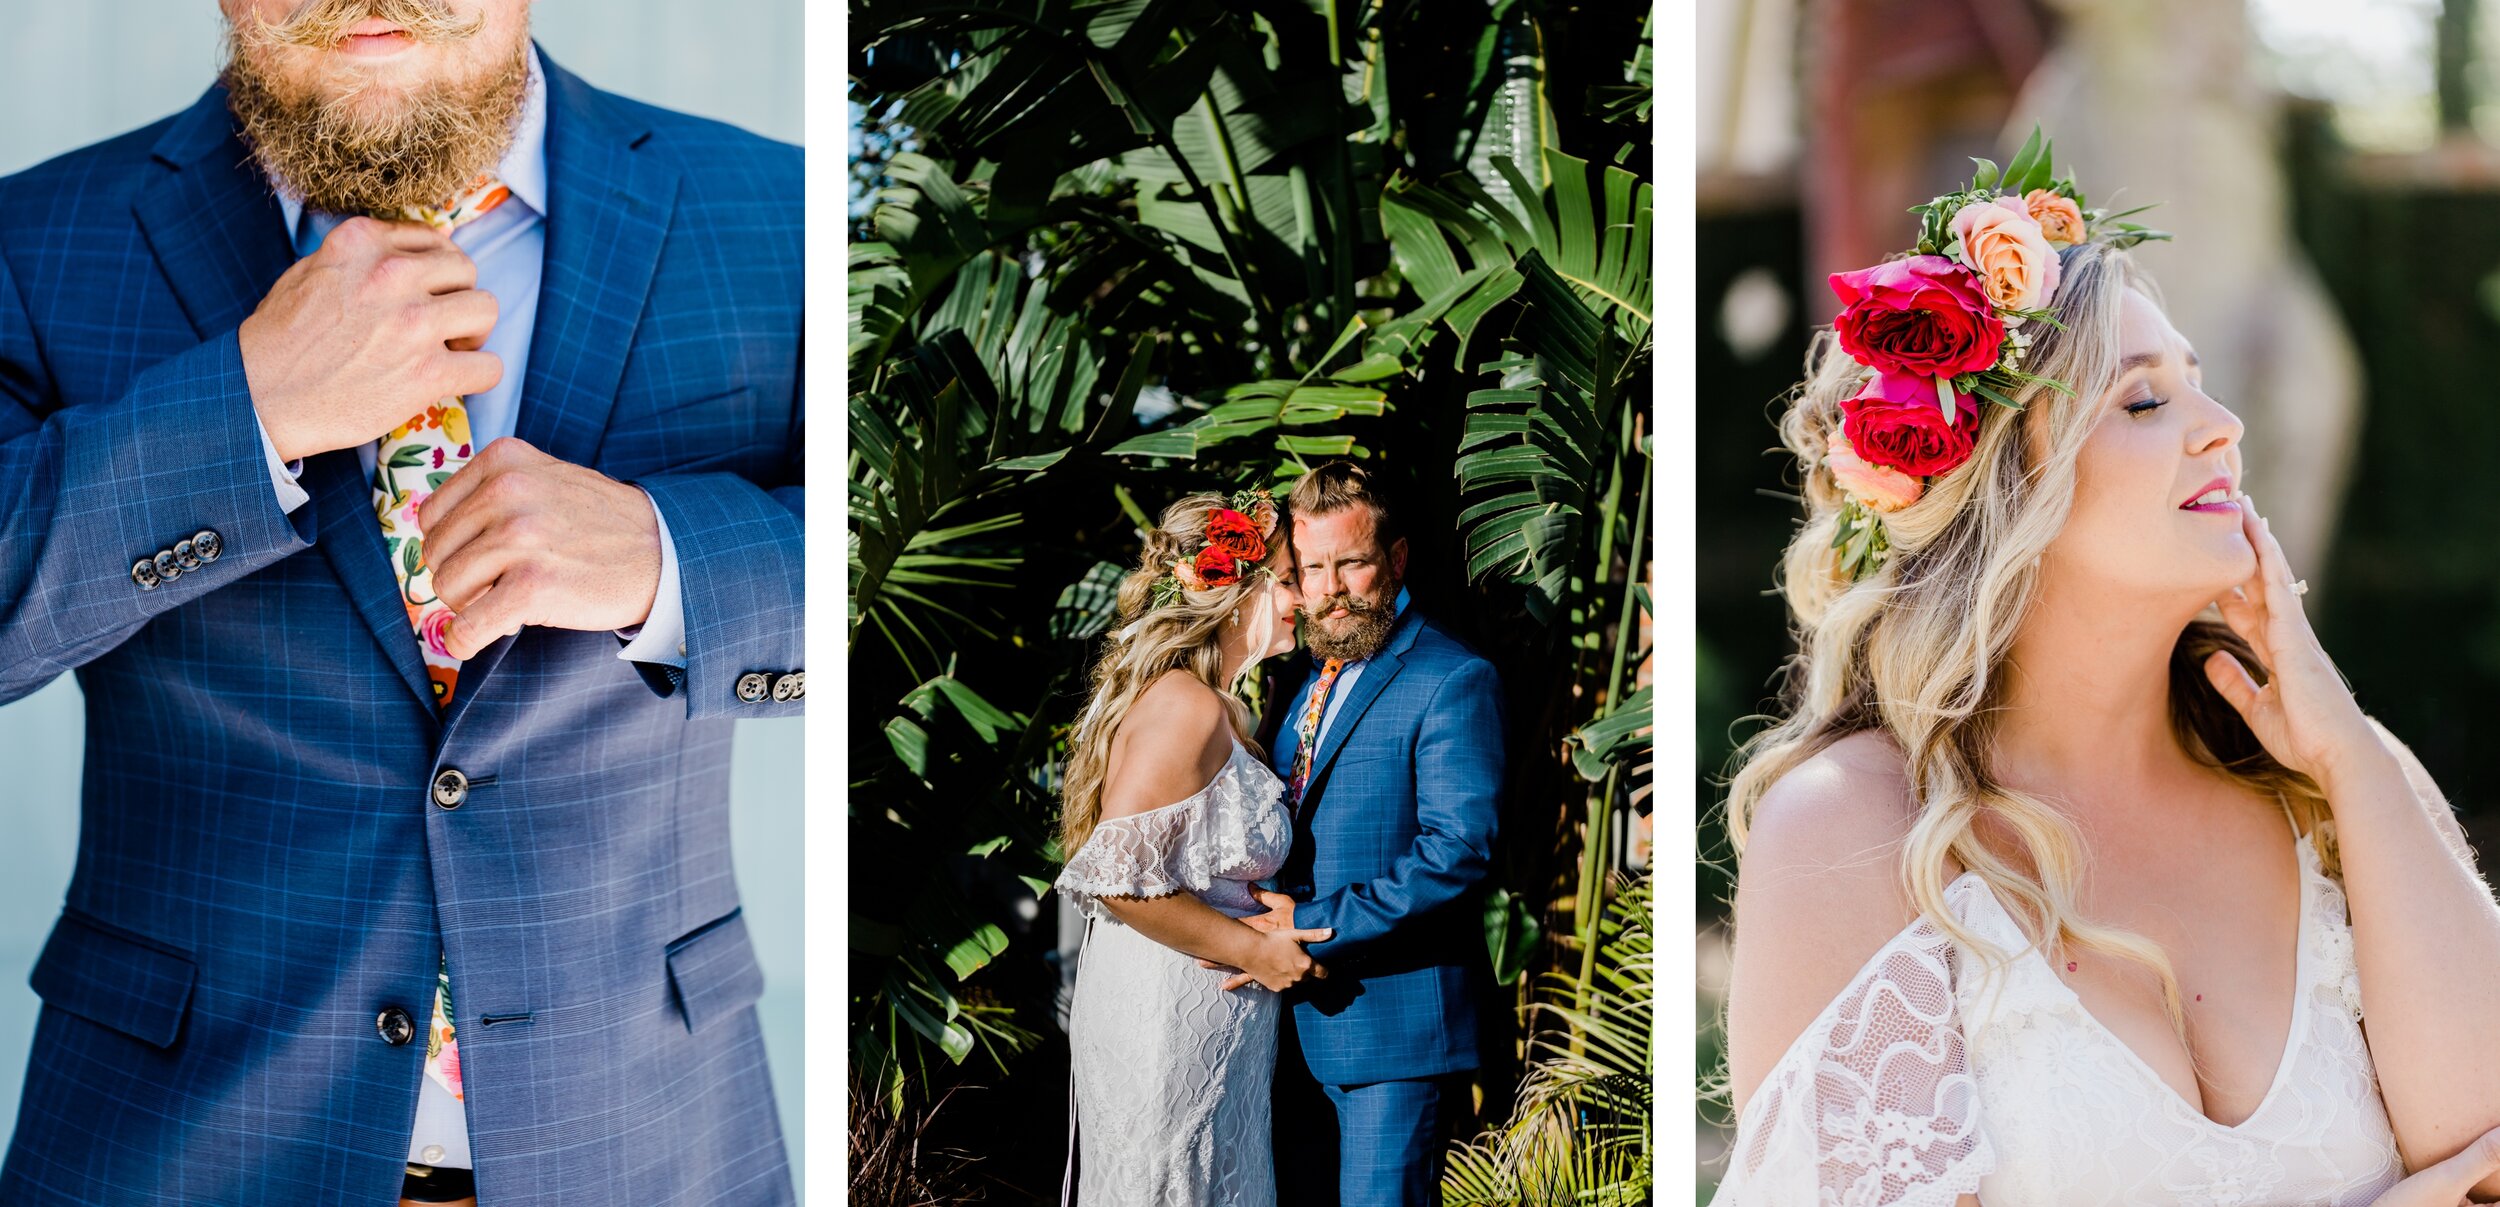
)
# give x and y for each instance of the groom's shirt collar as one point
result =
(524, 166)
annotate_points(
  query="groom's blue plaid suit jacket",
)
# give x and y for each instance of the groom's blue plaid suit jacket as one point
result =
(1393, 840)
(261, 871)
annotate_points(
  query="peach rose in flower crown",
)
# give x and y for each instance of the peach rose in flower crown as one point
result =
(1881, 488)
(2060, 219)
(2003, 244)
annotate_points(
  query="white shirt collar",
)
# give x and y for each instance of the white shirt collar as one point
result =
(524, 166)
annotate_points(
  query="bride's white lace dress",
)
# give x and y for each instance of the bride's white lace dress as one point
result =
(1171, 1073)
(1931, 1077)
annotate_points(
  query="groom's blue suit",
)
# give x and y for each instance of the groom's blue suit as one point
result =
(1393, 839)
(267, 867)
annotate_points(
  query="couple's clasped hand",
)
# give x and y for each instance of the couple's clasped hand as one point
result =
(386, 319)
(1274, 958)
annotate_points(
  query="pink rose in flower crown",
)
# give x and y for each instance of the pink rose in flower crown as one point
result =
(1881, 488)
(2004, 245)
(1895, 422)
(1924, 316)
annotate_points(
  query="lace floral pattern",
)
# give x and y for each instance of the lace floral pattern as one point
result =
(1171, 1073)
(1935, 1075)
(1214, 844)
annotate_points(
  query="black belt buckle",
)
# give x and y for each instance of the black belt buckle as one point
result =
(437, 1184)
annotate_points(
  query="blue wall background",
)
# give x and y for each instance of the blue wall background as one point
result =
(71, 74)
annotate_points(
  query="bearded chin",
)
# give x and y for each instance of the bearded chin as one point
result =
(351, 153)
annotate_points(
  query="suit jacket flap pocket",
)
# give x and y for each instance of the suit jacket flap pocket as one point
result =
(713, 970)
(109, 976)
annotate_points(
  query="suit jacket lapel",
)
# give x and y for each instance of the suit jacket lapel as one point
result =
(217, 232)
(212, 219)
(352, 539)
(609, 200)
(1377, 674)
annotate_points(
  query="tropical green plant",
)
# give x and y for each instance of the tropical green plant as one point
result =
(1111, 251)
(1580, 1129)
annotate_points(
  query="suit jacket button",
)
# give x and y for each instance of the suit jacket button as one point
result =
(185, 556)
(207, 544)
(753, 686)
(788, 687)
(451, 788)
(166, 567)
(143, 572)
(395, 1027)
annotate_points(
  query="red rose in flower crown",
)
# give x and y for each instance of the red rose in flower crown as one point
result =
(1896, 422)
(1216, 568)
(1238, 535)
(1925, 316)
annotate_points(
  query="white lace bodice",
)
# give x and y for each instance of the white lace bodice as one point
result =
(1933, 1076)
(1215, 844)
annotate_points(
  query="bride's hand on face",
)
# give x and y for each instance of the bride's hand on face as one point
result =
(2305, 714)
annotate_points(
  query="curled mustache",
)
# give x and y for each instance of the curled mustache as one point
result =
(1356, 606)
(322, 24)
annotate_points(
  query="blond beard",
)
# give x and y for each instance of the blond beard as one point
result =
(1368, 634)
(341, 153)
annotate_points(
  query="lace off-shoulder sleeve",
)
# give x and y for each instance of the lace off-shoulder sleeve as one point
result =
(1875, 1104)
(1141, 855)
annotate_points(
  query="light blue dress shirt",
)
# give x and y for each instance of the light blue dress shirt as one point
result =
(1337, 692)
(509, 246)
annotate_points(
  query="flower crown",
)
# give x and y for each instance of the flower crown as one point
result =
(1235, 542)
(1942, 328)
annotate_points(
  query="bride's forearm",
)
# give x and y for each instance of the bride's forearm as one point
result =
(1187, 925)
(2426, 936)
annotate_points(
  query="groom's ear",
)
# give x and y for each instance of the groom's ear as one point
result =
(1397, 558)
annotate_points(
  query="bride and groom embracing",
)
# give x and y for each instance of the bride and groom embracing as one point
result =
(1277, 995)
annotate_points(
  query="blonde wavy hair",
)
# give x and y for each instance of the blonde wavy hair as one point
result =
(1918, 648)
(1145, 641)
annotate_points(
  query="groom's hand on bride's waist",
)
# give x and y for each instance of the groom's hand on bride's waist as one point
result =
(1279, 915)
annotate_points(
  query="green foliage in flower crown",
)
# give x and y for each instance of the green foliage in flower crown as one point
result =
(1860, 540)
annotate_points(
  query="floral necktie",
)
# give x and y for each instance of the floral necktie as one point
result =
(1309, 729)
(414, 461)
(417, 457)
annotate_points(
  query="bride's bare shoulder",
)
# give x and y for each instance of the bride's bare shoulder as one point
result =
(1817, 895)
(1174, 739)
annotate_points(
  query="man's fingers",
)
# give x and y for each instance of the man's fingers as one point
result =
(1237, 980)
(1274, 900)
(1322, 935)
(445, 269)
(465, 317)
(464, 371)
(457, 488)
(463, 573)
(1320, 971)
(497, 614)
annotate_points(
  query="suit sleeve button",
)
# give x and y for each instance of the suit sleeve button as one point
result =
(185, 556)
(143, 572)
(753, 686)
(166, 567)
(207, 544)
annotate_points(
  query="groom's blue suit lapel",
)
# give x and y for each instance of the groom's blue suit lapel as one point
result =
(220, 238)
(1375, 679)
(609, 200)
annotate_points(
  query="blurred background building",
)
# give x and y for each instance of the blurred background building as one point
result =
(2329, 167)
(71, 74)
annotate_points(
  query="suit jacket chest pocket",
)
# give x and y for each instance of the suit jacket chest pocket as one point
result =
(734, 432)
